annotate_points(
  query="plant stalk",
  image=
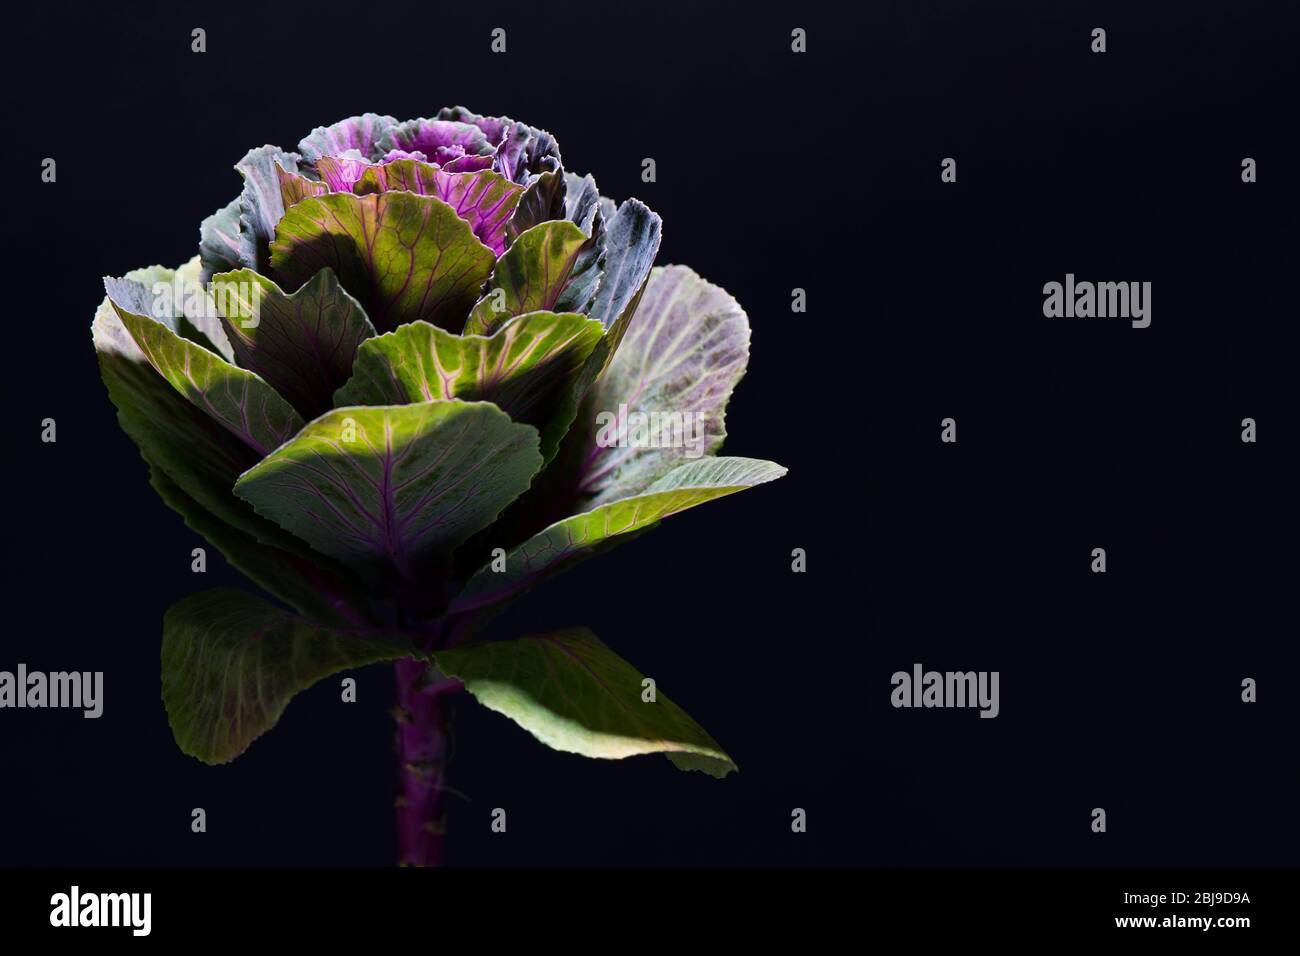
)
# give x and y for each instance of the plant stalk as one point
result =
(423, 742)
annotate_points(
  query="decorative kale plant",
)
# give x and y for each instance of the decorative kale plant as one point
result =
(415, 369)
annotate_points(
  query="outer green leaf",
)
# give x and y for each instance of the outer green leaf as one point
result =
(574, 694)
(238, 399)
(540, 272)
(683, 354)
(391, 487)
(231, 663)
(527, 368)
(626, 243)
(200, 456)
(302, 344)
(405, 257)
(313, 592)
(568, 541)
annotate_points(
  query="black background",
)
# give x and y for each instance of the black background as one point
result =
(775, 171)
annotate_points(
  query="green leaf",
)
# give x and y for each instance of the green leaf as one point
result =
(238, 399)
(574, 694)
(405, 257)
(198, 455)
(571, 539)
(683, 354)
(544, 270)
(394, 487)
(231, 663)
(527, 368)
(302, 344)
(312, 591)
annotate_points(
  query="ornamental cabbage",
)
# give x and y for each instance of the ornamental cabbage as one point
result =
(416, 368)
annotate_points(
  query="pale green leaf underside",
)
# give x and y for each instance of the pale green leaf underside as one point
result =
(574, 694)
(231, 663)
(576, 536)
(385, 488)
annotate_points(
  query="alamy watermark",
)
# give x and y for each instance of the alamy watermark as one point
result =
(75, 690)
(233, 301)
(946, 689)
(628, 429)
(1100, 300)
(75, 908)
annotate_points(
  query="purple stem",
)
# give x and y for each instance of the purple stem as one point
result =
(423, 733)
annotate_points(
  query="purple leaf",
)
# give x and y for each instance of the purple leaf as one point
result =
(440, 141)
(483, 199)
(360, 133)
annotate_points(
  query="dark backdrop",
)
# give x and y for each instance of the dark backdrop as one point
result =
(775, 171)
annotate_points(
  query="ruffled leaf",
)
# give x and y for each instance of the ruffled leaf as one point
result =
(260, 203)
(526, 152)
(360, 133)
(493, 127)
(441, 141)
(631, 243)
(581, 200)
(219, 241)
